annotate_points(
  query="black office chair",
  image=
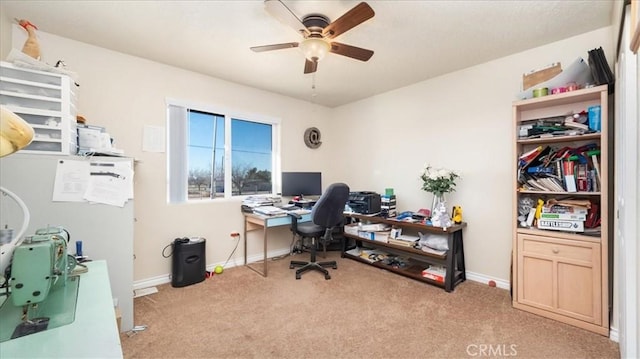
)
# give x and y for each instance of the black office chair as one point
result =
(326, 215)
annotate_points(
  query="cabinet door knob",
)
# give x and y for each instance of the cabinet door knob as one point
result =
(555, 250)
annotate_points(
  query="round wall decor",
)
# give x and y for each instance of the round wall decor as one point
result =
(312, 137)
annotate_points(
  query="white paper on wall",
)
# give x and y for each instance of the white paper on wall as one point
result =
(103, 181)
(153, 139)
(71, 181)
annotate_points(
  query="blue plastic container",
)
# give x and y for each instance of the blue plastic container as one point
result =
(594, 119)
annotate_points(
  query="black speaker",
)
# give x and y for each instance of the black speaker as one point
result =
(189, 261)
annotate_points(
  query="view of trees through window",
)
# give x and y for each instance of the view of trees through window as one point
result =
(249, 164)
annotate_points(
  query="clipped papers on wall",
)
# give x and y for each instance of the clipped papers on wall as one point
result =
(71, 181)
(106, 182)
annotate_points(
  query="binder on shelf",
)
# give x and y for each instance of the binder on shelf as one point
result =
(600, 70)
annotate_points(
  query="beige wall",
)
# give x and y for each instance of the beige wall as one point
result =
(460, 121)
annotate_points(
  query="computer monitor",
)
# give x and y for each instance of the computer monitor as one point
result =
(301, 183)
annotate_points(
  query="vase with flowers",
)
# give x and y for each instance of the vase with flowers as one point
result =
(439, 181)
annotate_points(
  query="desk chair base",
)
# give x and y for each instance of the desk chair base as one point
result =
(319, 266)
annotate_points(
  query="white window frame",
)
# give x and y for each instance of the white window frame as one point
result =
(173, 197)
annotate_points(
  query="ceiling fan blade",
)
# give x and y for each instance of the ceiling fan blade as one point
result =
(262, 48)
(281, 12)
(357, 53)
(310, 66)
(352, 18)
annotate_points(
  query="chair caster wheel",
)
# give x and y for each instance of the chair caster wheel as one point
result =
(290, 266)
(327, 277)
(297, 276)
(335, 267)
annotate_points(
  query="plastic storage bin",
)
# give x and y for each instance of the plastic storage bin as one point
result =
(189, 261)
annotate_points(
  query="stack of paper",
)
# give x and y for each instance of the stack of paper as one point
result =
(269, 210)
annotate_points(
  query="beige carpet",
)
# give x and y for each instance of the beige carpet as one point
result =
(362, 312)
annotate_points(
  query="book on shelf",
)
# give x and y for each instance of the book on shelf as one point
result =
(582, 178)
(596, 168)
(569, 178)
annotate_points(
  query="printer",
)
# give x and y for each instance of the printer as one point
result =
(364, 202)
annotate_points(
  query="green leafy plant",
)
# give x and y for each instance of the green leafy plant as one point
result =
(438, 180)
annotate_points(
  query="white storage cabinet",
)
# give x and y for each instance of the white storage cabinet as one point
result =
(47, 101)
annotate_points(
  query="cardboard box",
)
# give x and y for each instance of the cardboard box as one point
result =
(536, 77)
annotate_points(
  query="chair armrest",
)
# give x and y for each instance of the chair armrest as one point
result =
(294, 221)
(294, 216)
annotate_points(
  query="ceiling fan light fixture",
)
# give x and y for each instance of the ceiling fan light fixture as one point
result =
(314, 48)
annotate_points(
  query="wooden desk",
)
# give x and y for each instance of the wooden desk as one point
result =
(254, 222)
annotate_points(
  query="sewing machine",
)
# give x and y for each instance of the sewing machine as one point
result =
(42, 292)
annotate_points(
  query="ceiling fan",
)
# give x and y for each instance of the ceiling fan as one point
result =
(318, 33)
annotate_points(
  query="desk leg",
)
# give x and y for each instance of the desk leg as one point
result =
(255, 226)
(245, 242)
(264, 240)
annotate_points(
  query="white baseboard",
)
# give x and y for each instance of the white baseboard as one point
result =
(613, 334)
(166, 278)
(484, 279)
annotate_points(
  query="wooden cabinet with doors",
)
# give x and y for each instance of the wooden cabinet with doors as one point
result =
(562, 273)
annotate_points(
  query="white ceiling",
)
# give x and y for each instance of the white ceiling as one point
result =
(413, 40)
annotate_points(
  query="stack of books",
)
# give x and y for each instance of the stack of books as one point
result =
(572, 125)
(567, 216)
(567, 169)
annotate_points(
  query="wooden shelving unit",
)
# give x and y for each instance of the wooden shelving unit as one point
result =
(564, 275)
(418, 260)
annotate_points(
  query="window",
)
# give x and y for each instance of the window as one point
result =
(213, 154)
